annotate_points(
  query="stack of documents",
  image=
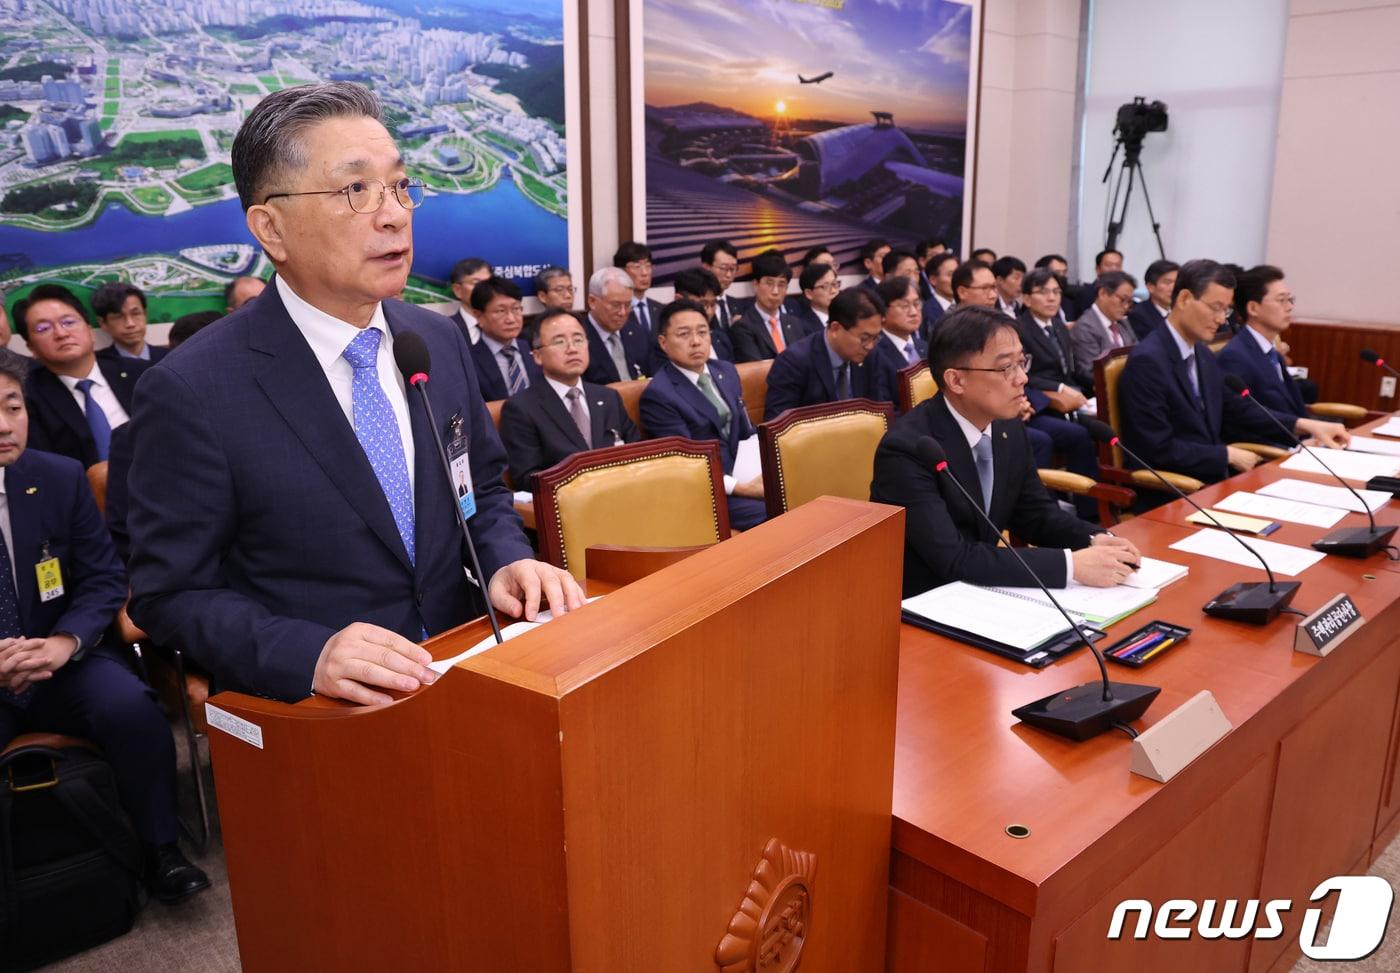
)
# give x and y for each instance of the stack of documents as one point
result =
(1099, 607)
(1305, 491)
(1279, 508)
(1391, 427)
(1282, 558)
(989, 614)
(1345, 463)
(1365, 444)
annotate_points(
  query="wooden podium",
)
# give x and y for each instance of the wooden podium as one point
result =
(693, 773)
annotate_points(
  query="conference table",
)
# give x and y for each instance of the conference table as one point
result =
(1301, 789)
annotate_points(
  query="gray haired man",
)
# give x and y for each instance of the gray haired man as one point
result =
(619, 348)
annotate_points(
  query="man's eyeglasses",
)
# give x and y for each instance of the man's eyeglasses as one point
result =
(868, 340)
(63, 324)
(507, 311)
(1287, 300)
(367, 195)
(1048, 291)
(1006, 371)
(685, 334)
(563, 343)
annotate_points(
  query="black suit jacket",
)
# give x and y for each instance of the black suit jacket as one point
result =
(488, 373)
(538, 431)
(1161, 419)
(801, 309)
(1276, 391)
(752, 342)
(1144, 318)
(642, 353)
(802, 375)
(56, 421)
(890, 360)
(728, 309)
(1049, 370)
(462, 326)
(157, 353)
(653, 314)
(944, 537)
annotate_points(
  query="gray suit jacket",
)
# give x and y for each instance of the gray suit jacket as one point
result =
(1091, 341)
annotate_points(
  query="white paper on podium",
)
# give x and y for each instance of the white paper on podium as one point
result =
(1346, 464)
(746, 462)
(509, 632)
(1282, 558)
(1277, 508)
(1365, 444)
(1305, 491)
(1152, 573)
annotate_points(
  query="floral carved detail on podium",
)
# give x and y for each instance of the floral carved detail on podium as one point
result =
(770, 929)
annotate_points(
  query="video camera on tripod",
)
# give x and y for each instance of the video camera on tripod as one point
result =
(1139, 117)
(1134, 121)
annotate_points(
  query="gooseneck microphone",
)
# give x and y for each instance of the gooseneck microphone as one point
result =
(1368, 355)
(414, 362)
(1255, 602)
(1346, 541)
(1084, 711)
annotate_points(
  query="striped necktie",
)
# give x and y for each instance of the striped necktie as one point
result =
(516, 381)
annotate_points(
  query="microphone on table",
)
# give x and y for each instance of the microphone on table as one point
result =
(1346, 541)
(1084, 711)
(1370, 356)
(414, 362)
(1254, 602)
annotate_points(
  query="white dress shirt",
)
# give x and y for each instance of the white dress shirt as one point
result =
(101, 391)
(729, 482)
(902, 345)
(500, 360)
(329, 337)
(944, 302)
(473, 328)
(822, 316)
(972, 434)
(1106, 324)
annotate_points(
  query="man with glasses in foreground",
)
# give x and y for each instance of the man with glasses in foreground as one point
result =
(560, 414)
(980, 367)
(291, 527)
(1171, 395)
(75, 398)
(831, 364)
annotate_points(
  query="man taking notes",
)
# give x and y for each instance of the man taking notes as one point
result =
(980, 367)
(311, 540)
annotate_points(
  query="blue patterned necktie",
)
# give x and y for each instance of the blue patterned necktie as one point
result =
(1273, 356)
(378, 432)
(9, 619)
(96, 420)
(982, 452)
(515, 375)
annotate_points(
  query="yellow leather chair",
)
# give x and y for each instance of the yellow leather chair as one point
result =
(916, 385)
(657, 493)
(821, 450)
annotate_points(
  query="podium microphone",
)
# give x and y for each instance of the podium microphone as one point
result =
(1084, 711)
(1370, 356)
(411, 355)
(1254, 602)
(1346, 541)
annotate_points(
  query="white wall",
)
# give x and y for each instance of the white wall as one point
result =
(1218, 66)
(1027, 126)
(1335, 188)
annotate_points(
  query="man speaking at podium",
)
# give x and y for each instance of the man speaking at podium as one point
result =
(292, 527)
(977, 360)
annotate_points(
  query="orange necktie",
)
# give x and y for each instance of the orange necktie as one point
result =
(776, 331)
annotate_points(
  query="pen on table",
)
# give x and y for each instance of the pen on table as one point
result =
(1136, 644)
(1165, 645)
(1142, 647)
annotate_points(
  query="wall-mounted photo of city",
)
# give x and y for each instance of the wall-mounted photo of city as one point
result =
(794, 123)
(117, 119)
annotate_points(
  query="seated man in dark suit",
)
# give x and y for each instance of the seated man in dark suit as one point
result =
(699, 285)
(819, 285)
(504, 366)
(75, 399)
(240, 291)
(899, 263)
(900, 346)
(765, 329)
(721, 258)
(560, 414)
(831, 364)
(942, 298)
(1265, 305)
(56, 673)
(924, 251)
(872, 258)
(466, 274)
(1171, 395)
(554, 289)
(121, 312)
(1104, 326)
(1149, 315)
(985, 255)
(700, 398)
(1008, 273)
(1105, 261)
(618, 349)
(635, 259)
(978, 363)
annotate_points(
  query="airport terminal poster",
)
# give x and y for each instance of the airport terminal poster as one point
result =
(116, 121)
(792, 123)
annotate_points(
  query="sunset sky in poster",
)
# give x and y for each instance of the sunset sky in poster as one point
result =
(909, 57)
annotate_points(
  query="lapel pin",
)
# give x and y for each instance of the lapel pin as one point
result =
(599, 402)
(123, 374)
(1003, 435)
(31, 491)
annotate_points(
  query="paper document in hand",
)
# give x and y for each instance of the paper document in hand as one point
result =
(1346, 464)
(746, 461)
(1282, 558)
(1152, 573)
(1365, 444)
(509, 632)
(989, 614)
(1306, 491)
(1277, 508)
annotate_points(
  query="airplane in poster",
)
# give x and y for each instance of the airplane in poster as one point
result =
(817, 80)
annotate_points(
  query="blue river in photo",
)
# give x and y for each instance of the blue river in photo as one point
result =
(499, 224)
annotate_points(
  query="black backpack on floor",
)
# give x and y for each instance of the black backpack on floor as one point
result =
(70, 862)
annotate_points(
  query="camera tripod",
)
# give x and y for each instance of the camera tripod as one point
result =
(1129, 171)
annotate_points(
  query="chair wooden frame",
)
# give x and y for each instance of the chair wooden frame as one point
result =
(905, 377)
(548, 482)
(770, 434)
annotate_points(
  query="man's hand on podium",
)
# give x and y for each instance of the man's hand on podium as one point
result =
(518, 588)
(362, 656)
